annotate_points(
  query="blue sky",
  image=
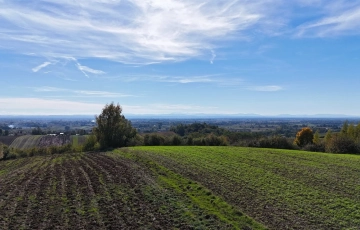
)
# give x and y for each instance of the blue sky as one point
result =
(264, 57)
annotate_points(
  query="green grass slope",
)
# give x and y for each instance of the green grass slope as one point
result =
(280, 188)
(26, 142)
(108, 191)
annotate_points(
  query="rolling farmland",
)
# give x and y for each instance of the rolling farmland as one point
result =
(182, 187)
(26, 142)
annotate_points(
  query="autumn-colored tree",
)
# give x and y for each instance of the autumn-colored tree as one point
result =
(304, 136)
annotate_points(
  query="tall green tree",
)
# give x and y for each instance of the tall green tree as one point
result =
(113, 130)
(351, 131)
(345, 127)
(357, 131)
(316, 139)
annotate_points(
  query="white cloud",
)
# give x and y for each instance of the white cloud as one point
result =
(172, 79)
(37, 106)
(266, 88)
(39, 67)
(341, 18)
(127, 31)
(213, 56)
(86, 69)
(48, 89)
(80, 93)
(100, 93)
(170, 108)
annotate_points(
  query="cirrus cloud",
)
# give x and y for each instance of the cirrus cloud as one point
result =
(127, 31)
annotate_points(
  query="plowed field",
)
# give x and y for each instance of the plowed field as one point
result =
(26, 142)
(7, 140)
(107, 191)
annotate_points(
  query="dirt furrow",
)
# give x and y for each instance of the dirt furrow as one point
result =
(40, 211)
(13, 193)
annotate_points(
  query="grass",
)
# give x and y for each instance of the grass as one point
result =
(276, 187)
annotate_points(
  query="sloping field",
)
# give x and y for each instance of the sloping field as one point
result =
(7, 140)
(181, 188)
(280, 188)
(107, 191)
(47, 141)
(27, 141)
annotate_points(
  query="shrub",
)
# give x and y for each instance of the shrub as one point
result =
(275, 142)
(341, 144)
(314, 147)
(176, 140)
(90, 143)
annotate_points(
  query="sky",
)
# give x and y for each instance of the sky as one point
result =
(266, 57)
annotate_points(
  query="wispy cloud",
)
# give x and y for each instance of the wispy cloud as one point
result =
(39, 67)
(170, 108)
(341, 18)
(48, 89)
(100, 94)
(127, 31)
(213, 56)
(37, 106)
(266, 88)
(81, 93)
(85, 70)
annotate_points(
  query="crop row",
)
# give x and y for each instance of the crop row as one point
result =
(106, 191)
(24, 142)
(282, 189)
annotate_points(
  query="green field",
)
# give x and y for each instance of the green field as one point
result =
(26, 142)
(182, 188)
(279, 188)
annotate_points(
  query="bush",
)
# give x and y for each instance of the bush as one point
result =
(90, 143)
(314, 147)
(176, 140)
(275, 142)
(341, 144)
(153, 140)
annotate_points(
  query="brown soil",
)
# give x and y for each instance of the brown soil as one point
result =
(85, 191)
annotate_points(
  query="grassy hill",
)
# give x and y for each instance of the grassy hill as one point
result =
(182, 187)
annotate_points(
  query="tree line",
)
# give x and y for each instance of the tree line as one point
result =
(113, 130)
